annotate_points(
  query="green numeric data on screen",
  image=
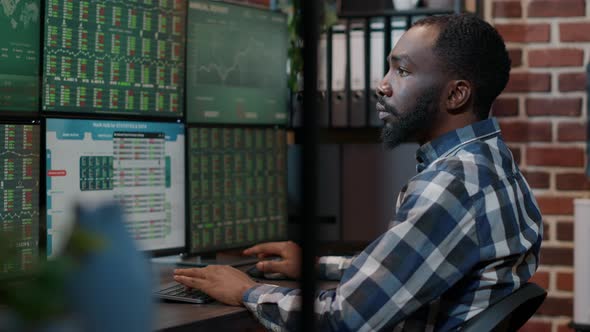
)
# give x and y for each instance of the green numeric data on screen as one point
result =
(96, 173)
(19, 55)
(236, 64)
(19, 195)
(111, 56)
(233, 204)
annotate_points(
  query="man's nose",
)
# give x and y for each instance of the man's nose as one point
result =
(384, 89)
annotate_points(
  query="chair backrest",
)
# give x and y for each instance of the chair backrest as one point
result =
(510, 313)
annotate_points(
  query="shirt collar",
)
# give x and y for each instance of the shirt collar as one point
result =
(447, 143)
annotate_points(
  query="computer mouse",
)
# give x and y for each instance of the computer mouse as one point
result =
(254, 272)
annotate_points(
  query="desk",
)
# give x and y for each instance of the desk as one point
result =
(204, 317)
(174, 316)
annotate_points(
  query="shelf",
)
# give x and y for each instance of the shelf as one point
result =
(364, 135)
(402, 13)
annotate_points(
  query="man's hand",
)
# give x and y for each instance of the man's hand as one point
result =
(224, 283)
(290, 265)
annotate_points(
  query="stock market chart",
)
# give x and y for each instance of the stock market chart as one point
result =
(236, 64)
(114, 56)
(237, 187)
(138, 164)
(19, 51)
(19, 193)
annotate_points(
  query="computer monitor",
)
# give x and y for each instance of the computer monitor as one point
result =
(139, 164)
(237, 179)
(117, 57)
(236, 64)
(19, 51)
(19, 195)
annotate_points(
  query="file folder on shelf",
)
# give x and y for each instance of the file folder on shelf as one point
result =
(339, 106)
(357, 78)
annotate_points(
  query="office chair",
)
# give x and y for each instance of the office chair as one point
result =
(510, 313)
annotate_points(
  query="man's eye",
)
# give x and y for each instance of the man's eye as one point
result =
(401, 72)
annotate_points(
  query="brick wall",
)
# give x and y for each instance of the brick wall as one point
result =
(543, 116)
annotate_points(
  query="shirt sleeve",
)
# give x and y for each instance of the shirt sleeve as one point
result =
(433, 245)
(332, 267)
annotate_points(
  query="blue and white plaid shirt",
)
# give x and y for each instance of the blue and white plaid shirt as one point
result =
(467, 232)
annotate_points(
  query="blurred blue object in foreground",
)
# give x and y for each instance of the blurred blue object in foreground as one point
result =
(111, 289)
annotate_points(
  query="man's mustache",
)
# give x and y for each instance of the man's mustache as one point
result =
(387, 107)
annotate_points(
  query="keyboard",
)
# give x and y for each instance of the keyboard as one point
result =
(178, 292)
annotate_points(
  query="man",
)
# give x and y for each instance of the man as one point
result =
(467, 229)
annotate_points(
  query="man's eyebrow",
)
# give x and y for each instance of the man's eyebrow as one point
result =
(398, 58)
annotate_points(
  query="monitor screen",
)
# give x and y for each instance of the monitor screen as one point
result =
(236, 64)
(122, 57)
(19, 195)
(139, 164)
(237, 187)
(19, 51)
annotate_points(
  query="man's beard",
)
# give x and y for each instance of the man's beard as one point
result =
(405, 126)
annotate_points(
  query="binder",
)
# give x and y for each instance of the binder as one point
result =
(377, 69)
(322, 81)
(357, 78)
(339, 107)
(322, 63)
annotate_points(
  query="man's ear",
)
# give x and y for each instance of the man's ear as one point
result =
(458, 95)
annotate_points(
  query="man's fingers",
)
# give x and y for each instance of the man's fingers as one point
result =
(189, 282)
(265, 248)
(271, 266)
(194, 272)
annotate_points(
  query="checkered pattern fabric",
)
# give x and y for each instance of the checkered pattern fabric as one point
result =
(466, 233)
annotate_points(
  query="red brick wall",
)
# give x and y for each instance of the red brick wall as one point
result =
(543, 116)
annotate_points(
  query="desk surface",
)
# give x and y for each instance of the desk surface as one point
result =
(174, 316)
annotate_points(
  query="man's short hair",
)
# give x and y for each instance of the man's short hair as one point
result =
(471, 49)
